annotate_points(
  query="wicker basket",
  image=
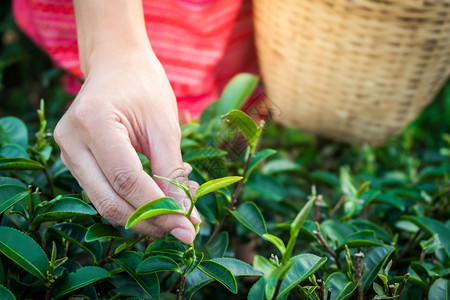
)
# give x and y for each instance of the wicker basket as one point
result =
(356, 71)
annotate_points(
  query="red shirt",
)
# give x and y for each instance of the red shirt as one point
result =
(216, 42)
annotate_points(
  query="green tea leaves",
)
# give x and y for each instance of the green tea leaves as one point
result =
(342, 287)
(19, 164)
(155, 264)
(78, 279)
(102, 231)
(249, 215)
(160, 206)
(440, 290)
(24, 251)
(246, 125)
(213, 185)
(219, 273)
(236, 92)
(10, 195)
(296, 226)
(304, 266)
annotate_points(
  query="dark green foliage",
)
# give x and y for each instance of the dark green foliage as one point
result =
(319, 216)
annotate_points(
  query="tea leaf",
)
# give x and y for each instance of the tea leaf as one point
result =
(280, 166)
(78, 279)
(375, 259)
(129, 261)
(10, 195)
(246, 125)
(362, 189)
(6, 294)
(432, 226)
(276, 241)
(257, 159)
(16, 131)
(198, 279)
(19, 164)
(102, 231)
(160, 206)
(390, 199)
(257, 291)
(13, 151)
(262, 264)
(203, 154)
(249, 215)
(236, 92)
(24, 251)
(304, 266)
(62, 208)
(197, 259)
(342, 287)
(326, 177)
(219, 246)
(216, 184)
(75, 234)
(11, 181)
(439, 290)
(363, 238)
(157, 263)
(277, 274)
(178, 184)
(220, 274)
(296, 226)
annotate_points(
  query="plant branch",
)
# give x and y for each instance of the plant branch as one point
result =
(50, 182)
(338, 205)
(277, 289)
(359, 274)
(405, 279)
(408, 247)
(106, 253)
(330, 290)
(233, 202)
(321, 289)
(327, 247)
(182, 284)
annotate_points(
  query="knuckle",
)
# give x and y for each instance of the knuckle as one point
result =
(124, 182)
(108, 209)
(58, 133)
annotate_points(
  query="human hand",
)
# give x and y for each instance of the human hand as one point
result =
(126, 105)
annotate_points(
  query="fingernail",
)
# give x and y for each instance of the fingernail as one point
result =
(195, 217)
(183, 235)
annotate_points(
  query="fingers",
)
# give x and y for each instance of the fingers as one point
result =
(168, 163)
(116, 197)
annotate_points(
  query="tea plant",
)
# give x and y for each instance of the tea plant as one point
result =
(306, 220)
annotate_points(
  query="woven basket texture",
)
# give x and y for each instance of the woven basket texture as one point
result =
(356, 71)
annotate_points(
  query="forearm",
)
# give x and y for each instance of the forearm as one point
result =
(107, 28)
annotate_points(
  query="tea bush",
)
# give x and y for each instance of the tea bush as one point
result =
(285, 215)
(311, 220)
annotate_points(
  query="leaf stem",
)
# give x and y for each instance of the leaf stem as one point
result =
(405, 279)
(359, 274)
(191, 208)
(321, 289)
(338, 205)
(182, 284)
(233, 202)
(106, 253)
(330, 290)
(50, 182)
(408, 247)
(277, 289)
(327, 247)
